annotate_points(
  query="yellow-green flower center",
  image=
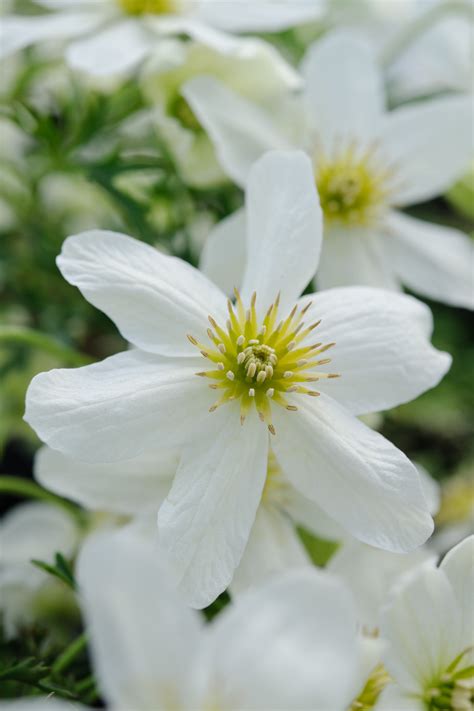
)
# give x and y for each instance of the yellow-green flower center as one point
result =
(454, 691)
(149, 7)
(352, 186)
(260, 362)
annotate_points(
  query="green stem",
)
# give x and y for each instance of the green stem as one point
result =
(70, 653)
(408, 34)
(17, 486)
(36, 339)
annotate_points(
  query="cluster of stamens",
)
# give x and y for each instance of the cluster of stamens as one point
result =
(148, 7)
(353, 185)
(260, 362)
(455, 690)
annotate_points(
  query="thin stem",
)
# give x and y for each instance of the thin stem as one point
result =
(408, 34)
(70, 653)
(17, 486)
(37, 339)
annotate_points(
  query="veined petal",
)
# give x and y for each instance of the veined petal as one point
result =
(135, 486)
(423, 626)
(19, 32)
(192, 26)
(290, 643)
(239, 129)
(273, 547)
(261, 16)
(428, 143)
(155, 300)
(306, 513)
(205, 522)
(457, 565)
(357, 476)
(344, 89)
(114, 50)
(393, 698)
(432, 259)
(381, 351)
(284, 228)
(119, 407)
(143, 637)
(223, 258)
(355, 256)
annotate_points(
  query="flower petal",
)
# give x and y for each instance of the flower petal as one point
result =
(431, 259)
(428, 144)
(382, 351)
(155, 300)
(240, 130)
(357, 476)
(458, 565)
(393, 698)
(272, 548)
(223, 258)
(19, 32)
(289, 644)
(205, 522)
(355, 256)
(143, 637)
(284, 228)
(119, 407)
(264, 16)
(422, 625)
(117, 49)
(344, 89)
(135, 486)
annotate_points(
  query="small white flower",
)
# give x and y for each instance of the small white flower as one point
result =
(213, 378)
(429, 624)
(367, 164)
(113, 36)
(29, 531)
(291, 644)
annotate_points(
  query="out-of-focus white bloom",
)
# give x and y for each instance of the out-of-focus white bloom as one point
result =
(213, 378)
(291, 644)
(29, 531)
(429, 625)
(254, 69)
(367, 163)
(106, 37)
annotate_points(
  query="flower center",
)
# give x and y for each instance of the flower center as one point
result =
(352, 186)
(454, 691)
(148, 7)
(259, 362)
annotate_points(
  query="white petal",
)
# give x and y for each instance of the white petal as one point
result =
(272, 548)
(284, 228)
(39, 703)
(458, 566)
(355, 256)
(393, 698)
(114, 50)
(19, 32)
(223, 258)
(309, 515)
(205, 522)
(431, 259)
(344, 89)
(431, 489)
(290, 644)
(429, 145)
(422, 626)
(134, 486)
(155, 300)
(239, 129)
(191, 25)
(119, 407)
(370, 573)
(261, 16)
(357, 476)
(382, 350)
(143, 637)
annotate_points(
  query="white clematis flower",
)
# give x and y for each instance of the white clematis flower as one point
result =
(29, 531)
(367, 164)
(429, 624)
(107, 37)
(214, 378)
(291, 644)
